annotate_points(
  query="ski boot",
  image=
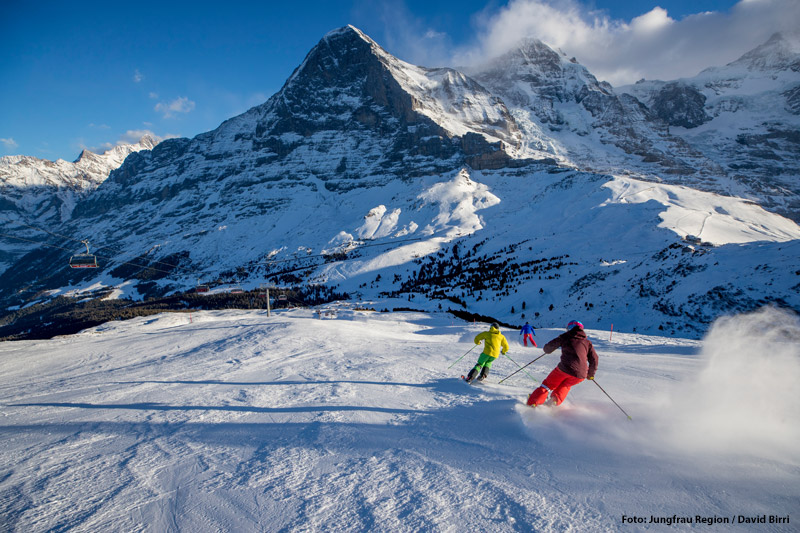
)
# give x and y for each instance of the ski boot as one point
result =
(470, 376)
(484, 373)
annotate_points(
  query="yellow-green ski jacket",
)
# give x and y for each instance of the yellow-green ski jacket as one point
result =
(495, 343)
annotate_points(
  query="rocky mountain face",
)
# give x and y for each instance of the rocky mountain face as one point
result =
(43, 193)
(522, 190)
(744, 117)
(350, 116)
(567, 113)
(678, 104)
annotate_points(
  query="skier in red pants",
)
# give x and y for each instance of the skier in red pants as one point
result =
(578, 362)
(527, 333)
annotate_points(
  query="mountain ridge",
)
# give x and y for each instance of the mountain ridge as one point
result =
(382, 179)
(39, 192)
(742, 117)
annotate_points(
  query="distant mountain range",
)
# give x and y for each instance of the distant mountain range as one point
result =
(43, 193)
(523, 190)
(745, 117)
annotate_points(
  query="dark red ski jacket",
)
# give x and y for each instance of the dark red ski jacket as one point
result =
(578, 356)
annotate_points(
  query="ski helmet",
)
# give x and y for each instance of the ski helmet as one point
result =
(496, 326)
(574, 323)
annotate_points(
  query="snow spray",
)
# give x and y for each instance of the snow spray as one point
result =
(745, 399)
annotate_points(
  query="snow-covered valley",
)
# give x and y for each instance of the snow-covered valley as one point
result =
(239, 421)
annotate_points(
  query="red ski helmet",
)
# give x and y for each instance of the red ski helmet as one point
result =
(574, 323)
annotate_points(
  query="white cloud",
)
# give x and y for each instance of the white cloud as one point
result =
(652, 45)
(104, 147)
(179, 105)
(137, 76)
(133, 136)
(255, 99)
(9, 143)
(433, 34)
(653, 21)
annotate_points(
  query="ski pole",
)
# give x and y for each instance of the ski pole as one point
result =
(522, 367)
(514, 372)
(612, 399)
(462, 357)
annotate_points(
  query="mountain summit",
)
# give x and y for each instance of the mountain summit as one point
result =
(348, 83)
(781, 52)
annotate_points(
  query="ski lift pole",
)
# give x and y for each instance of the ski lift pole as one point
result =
(514, 372)
(523, 367)
(612, 399)
(462, 357)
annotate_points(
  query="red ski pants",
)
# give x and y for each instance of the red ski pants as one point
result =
(558, 383)
(527, 337)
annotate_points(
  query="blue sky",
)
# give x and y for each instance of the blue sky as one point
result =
(77, 75)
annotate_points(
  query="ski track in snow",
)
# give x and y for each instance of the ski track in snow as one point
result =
(242, 422)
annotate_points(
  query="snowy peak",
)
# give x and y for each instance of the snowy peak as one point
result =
(780, 52)
(348, 30)
(88, 170)
(340, 80)
(744, 116)
(349, 86)
(532, 71)
(346, 57)
(351, 34)
(43, 192)
(340, 48)
(567, 114)
(112, 158)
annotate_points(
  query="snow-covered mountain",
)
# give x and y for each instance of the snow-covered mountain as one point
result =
(528, 190)
(744, 116)
(43, 193)
(565, 112)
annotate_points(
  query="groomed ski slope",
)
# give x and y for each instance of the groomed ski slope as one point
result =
(235, 421)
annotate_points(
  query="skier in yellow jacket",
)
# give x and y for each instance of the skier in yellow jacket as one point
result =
(494, 344)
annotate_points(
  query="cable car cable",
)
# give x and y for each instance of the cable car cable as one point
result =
(142, 267)
(98, 248)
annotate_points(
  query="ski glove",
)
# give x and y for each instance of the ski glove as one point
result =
(591, 377)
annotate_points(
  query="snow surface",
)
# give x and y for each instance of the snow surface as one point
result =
(236, 421)
(712, 218)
